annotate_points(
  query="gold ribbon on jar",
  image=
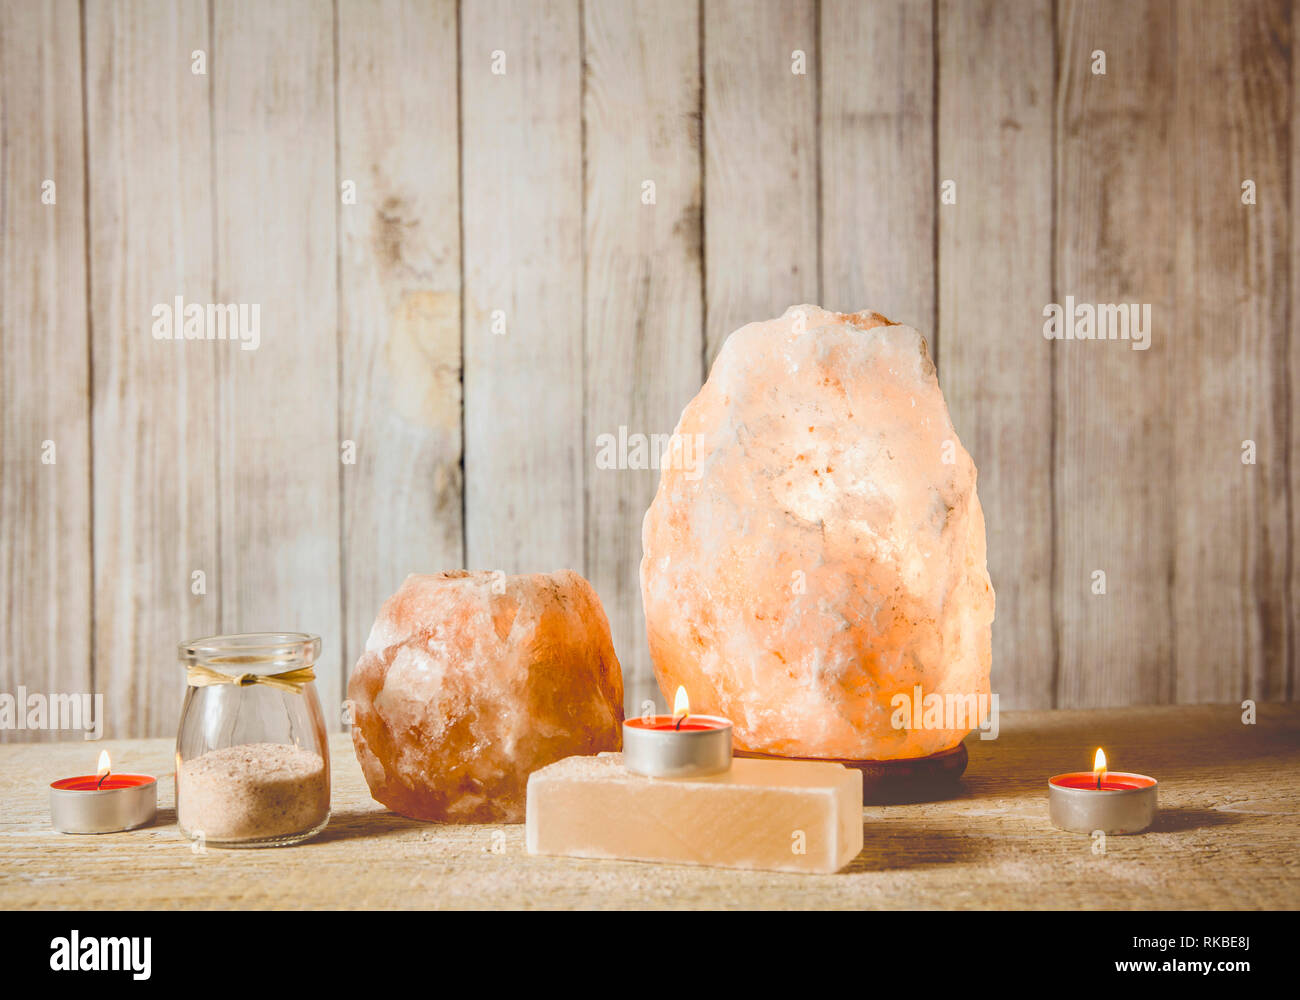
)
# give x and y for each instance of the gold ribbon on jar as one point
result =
(292, 681)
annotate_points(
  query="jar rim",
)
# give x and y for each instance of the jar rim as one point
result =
(252, 652)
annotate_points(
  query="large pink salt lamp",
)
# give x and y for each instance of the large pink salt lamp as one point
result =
(818, 547)
(471, 681)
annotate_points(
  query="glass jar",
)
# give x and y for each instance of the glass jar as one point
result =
(252, 761)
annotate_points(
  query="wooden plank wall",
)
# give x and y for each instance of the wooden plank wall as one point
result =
(1115, 219)
(521, 219)
(484, 233)
(1229, 608)
(995, 259)
(643, 291)
(47, 582)
(155, 425)
(399, 301)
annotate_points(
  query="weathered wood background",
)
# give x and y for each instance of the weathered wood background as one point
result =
(499, 296)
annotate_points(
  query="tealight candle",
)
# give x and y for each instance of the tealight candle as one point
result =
(680, 745)
(103, 802)
(1113, 802)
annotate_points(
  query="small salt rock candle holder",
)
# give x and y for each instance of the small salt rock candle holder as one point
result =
(252, 760)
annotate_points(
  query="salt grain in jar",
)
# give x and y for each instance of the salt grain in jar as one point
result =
(252, 762)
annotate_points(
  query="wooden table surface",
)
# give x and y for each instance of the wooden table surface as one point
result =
(1227, 837)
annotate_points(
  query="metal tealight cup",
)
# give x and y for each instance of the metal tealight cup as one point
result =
(1110, 810)
(656, 748)
(103, 810)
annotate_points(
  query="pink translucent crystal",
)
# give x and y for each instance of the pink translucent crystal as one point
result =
(471, 681)
(823, 548)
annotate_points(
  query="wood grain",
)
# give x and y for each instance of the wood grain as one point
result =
(45, 491)
(877, 160)
(995, 89)
(1292, 360)
(644, 287)
(155, 451)
(521, 160)
(1230, 572)
(278, 410)
(399, 299)
(1114, 507)
(1225, 839)
(760, 162)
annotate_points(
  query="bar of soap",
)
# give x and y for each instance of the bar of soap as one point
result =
(777, 815)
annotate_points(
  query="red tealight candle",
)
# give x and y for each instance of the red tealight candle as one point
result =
(1109, 801)
(1112, 782)
(103, 802)
(665, 723)
(89, 783)
(680, 745)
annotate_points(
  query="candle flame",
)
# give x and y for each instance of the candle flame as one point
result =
(1099, 766)
(681, 705)
(105, 764)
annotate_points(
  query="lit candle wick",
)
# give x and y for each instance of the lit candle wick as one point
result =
(681, 708)
(104, 768)
(1099, 767)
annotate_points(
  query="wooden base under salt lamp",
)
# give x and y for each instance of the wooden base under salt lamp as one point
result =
(891, 782)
